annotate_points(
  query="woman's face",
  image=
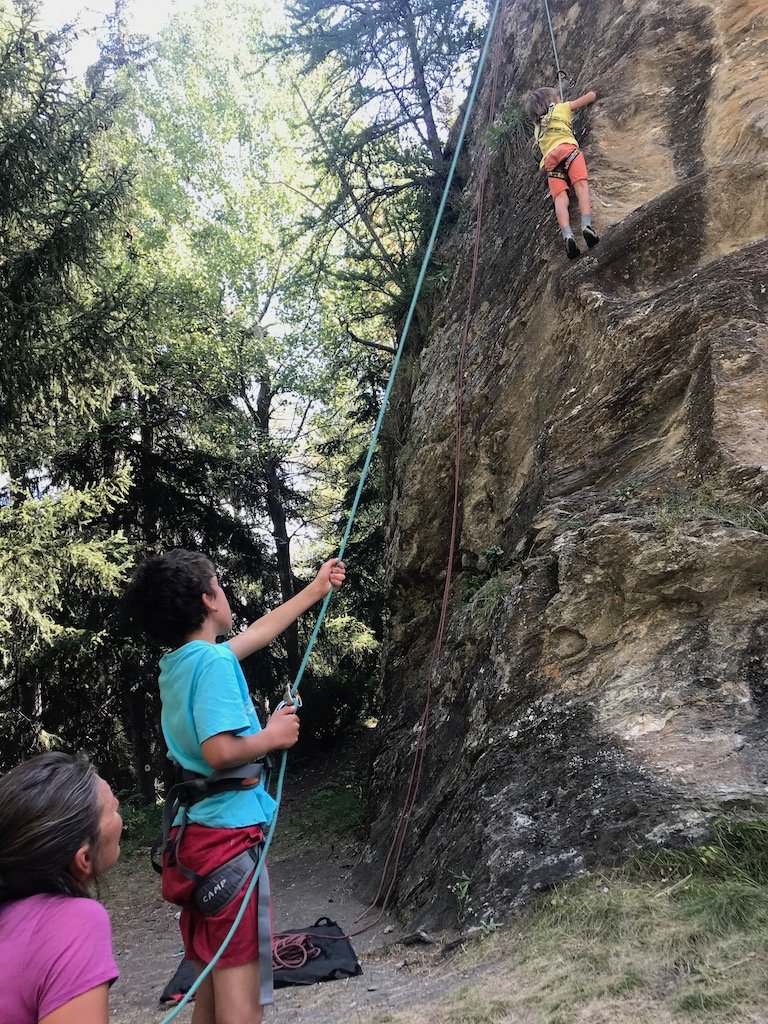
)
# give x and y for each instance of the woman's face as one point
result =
(110, 829)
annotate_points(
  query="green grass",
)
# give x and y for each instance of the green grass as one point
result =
(492, 1012)
(333, 811)
(677, 937)
(704, 503)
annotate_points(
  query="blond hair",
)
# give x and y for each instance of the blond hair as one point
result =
(537, 103)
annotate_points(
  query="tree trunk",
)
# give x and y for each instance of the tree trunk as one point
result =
(433, 139)
(146, 489)
(276, 511)
(137, 702)
(136, 721)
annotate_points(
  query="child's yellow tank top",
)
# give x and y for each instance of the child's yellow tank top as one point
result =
(554, 128)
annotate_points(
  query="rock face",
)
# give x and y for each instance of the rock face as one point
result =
(603, 684)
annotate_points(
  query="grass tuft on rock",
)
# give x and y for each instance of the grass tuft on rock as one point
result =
(677, 937)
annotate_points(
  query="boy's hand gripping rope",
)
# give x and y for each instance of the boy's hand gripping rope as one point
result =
(356, 502)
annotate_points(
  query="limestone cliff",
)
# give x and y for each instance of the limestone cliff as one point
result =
(604, 684)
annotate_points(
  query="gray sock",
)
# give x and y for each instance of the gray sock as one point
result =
(586, 220)
(567, 232)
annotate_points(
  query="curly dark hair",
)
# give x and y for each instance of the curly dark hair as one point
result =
(49, 808)
(537, 103)
(164, 598)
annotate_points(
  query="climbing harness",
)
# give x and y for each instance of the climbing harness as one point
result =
(195, 787)
(415, 774)
(561, 170)
(548, 123)
(214, 892)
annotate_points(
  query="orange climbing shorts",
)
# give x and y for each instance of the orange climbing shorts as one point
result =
(576, 172)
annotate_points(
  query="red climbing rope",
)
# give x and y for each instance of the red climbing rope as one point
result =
(293, 950)
(401, 827)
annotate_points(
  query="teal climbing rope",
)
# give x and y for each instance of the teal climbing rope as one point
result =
(358, 495)
(554, 50)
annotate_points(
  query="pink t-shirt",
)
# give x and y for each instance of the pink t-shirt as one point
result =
(52, 949)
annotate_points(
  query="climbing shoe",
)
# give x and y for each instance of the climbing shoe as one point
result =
(571, 249)
(591, 237)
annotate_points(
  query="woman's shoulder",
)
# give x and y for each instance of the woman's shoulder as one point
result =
(43, 910)
(72, 930)
(77, 909)
(46, 923)
(63, 948)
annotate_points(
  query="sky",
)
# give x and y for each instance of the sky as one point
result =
(148, 17)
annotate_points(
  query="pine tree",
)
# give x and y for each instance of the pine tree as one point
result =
(61, 308)
(381, 95)
(64, 310)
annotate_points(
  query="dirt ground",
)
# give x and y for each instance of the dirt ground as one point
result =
(309, 884)
(148, 949)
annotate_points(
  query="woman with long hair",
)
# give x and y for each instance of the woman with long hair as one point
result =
(59, 830)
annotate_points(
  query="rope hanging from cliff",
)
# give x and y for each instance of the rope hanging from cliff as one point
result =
(560, 74)
(401, 827)
(355, 504)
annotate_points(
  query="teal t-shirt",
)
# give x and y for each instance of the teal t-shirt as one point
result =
(203, 692)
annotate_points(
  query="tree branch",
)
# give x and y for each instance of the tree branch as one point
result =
(369, 344)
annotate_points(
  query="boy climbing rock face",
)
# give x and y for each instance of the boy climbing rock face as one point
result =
(562, 160)
(209, 723)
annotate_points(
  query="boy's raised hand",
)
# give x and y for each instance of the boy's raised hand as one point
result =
(264, 630)
(331, 574)
(283, 728)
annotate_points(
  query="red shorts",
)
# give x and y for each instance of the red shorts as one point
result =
(577, 170)
(203, 850)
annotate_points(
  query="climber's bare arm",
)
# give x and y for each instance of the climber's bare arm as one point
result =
(583, 101)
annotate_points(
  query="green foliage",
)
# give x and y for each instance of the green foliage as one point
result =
(491, 583)
(461, 889)
(67, 304)
(50, 544)
(493, 559)
(509, 129)
(141, 827)
(380, 92)
(172, 375)
(335, 811)
(60, 194)
(724, 884)
(736, 850)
